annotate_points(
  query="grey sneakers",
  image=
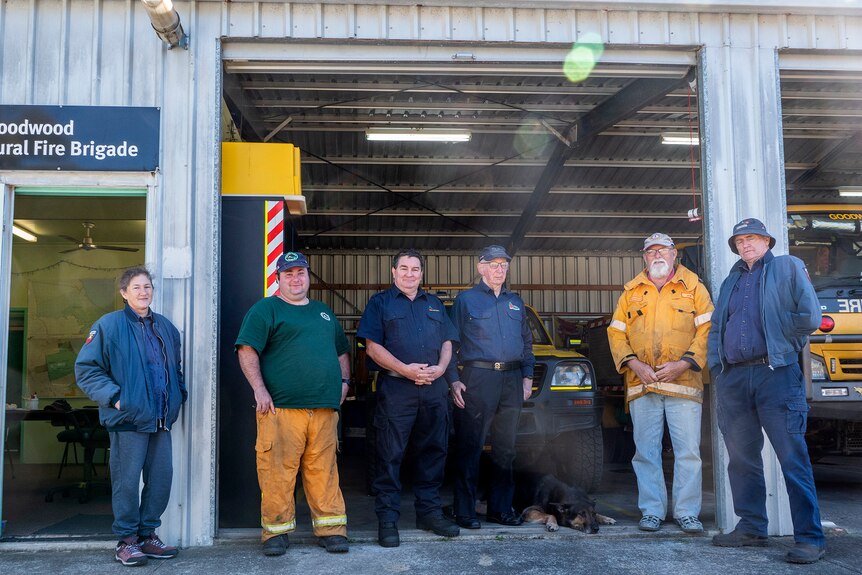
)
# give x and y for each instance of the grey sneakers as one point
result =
(689, 524)
(649, 523)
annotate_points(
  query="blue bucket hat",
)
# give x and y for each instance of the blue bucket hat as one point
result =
(290, 260)
(749, 226)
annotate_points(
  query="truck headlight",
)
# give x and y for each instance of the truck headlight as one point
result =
(571, 376)
(818, 369)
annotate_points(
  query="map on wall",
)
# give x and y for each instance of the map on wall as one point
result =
(60, 316)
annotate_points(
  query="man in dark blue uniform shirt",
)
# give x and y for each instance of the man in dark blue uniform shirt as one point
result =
(765, 311)
(496, 352)
(408, 338)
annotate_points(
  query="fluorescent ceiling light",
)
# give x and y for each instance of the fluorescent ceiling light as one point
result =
(416, 135)
(680, 139)
(850, 191)
(24, 234)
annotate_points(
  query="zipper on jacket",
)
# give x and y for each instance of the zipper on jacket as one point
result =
(164, 418)
(146, 367)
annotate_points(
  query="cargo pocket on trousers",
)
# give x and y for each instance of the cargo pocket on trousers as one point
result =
(797, 416)
(263, 449)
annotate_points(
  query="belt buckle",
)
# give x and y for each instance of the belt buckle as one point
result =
(498, 365)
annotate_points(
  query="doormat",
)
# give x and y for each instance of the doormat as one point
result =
(80, 524)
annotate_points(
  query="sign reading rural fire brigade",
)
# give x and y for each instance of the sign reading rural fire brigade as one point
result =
(85, 138)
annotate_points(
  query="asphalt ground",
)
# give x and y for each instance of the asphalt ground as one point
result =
(528, 549)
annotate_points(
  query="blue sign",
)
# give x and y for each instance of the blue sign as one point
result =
(81, 138)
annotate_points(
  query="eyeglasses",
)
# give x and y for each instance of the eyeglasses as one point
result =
(661, 252)
(497, 265)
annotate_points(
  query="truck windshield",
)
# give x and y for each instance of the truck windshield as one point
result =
(830, 244)
(540, 334)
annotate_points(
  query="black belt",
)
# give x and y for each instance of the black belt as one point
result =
(759, 361)
(495, 365)
(391, 373)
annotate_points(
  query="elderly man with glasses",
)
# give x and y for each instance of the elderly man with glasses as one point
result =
(496, 354)
(658, 339)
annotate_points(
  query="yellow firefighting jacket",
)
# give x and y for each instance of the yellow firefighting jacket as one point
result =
(661, 326)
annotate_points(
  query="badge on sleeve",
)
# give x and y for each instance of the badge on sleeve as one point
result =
(514, 307)
(90, 337)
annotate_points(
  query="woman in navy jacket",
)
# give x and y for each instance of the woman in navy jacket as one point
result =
(131, 366)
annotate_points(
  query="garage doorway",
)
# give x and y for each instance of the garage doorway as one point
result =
(513, 109)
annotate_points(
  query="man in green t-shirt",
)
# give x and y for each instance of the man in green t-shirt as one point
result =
(294, 355)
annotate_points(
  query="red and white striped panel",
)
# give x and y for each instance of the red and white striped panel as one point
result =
(273, 244)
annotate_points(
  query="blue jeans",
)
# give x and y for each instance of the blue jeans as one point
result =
(683, 420)
(755, 397)
(134, 455)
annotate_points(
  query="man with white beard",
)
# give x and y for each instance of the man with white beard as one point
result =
(658, 340)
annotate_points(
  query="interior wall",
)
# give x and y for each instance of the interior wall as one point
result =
(63, 294)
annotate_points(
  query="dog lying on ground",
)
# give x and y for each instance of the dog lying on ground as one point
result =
(556, 504)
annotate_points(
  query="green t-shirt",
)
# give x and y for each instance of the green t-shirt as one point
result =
(298, 347)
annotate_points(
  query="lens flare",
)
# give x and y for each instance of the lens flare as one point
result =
(582, 58)
(530, 141)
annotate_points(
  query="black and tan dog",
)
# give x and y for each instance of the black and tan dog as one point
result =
(556, 504)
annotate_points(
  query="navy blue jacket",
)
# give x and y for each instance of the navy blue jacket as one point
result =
(112, 365)
(789, 311)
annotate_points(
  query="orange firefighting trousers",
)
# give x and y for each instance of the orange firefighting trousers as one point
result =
(288, 442)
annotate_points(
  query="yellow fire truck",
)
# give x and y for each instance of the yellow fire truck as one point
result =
(828, 238)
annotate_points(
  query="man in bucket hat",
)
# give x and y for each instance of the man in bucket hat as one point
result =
(658, 341)
(766, 310)
(297, 404)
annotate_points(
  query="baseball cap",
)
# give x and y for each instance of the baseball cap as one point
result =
(290, 260)
(749, 226)
(658, 239)
(494, 252)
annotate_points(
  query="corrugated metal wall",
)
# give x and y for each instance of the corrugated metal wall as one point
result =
(563, 284)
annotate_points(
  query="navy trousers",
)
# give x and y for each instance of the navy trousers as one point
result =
(135, 455)
(404, 407)
(757, 397)
(492, 403)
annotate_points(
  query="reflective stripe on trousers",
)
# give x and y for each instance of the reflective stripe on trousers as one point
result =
(293, 441)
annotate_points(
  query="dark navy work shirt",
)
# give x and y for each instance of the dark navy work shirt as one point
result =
(492, 328)
(155, 364)
(744, 338)
(411, 330)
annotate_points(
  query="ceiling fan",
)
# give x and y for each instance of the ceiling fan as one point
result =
(87, 244)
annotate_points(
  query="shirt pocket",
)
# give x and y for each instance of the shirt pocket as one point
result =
(394, 325)
(478, 329)
(636, 326)
(683, 315)
(515, 314)
(435, 326)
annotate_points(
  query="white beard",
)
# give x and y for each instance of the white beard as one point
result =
(659, 269)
